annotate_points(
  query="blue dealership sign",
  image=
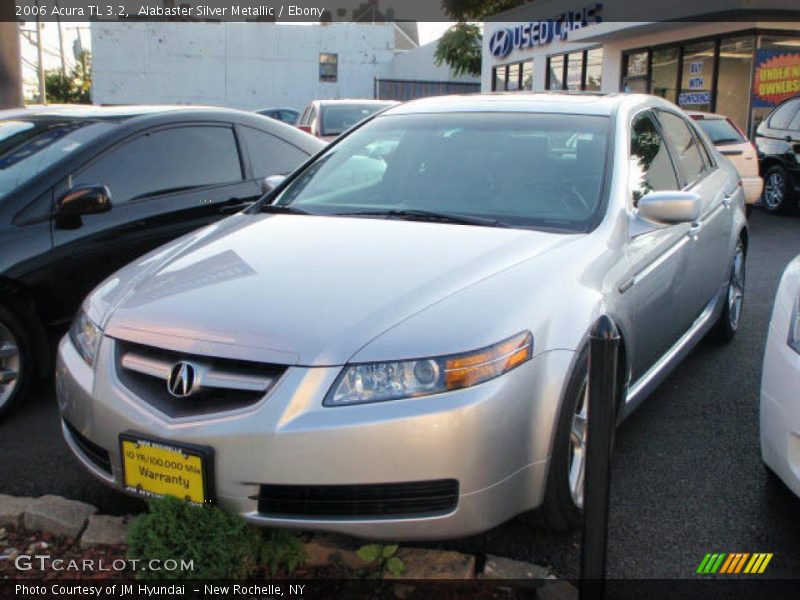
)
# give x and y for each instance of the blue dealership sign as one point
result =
(539, 33)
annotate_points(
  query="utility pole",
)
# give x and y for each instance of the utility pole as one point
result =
(61, 44)
(40, 58)
(10, 63)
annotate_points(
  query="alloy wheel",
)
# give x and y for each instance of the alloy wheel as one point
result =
(9, 364)
(577, 451)
(736, 288)
(774, 190)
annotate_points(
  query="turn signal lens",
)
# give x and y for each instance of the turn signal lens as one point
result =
(471, 369)
(377, 382)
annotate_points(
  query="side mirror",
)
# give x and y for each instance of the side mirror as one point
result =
(270, 183)
(84, 200)
(669, 208)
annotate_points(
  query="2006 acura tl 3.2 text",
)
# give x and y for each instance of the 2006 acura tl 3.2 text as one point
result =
(392, 344)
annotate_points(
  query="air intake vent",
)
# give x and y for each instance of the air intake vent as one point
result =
(97, 455)
(370, 500)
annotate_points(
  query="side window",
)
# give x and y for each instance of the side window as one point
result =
(650, 166)
(687, 152)
(165, 161)
(303, 120)
(270, 155)
(707, 157)
(782, 116)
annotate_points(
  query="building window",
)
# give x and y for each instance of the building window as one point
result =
(697, 76)
(555, 72)
(735, 68)
(664, 73)
(328, 67)
(513, 77)
(575, 71)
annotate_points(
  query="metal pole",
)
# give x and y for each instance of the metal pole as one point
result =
(40, 59)
(602, 419)
(61, 46)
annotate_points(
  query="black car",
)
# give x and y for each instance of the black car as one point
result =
(778, 143)
(84, 191)
(287, 115)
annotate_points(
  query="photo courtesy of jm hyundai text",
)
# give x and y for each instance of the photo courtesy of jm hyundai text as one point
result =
(393, 342)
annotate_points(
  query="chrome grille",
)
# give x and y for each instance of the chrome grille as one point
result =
(218, 384)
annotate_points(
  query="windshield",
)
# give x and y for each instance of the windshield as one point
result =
(721, 131)
(29, 146)
(338, 118)
(520, 169)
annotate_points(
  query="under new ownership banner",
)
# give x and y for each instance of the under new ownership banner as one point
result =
(777, 77)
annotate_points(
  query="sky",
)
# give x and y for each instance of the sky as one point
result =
(428, 32)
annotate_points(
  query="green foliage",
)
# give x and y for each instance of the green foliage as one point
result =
(75, 87)
(460, 49)
(220, 545)
(282, 549)
(382, 557)
(477, 10)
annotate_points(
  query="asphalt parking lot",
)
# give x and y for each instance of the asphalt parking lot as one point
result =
(687, 473)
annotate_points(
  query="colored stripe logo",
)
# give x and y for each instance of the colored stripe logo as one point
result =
(734, 563)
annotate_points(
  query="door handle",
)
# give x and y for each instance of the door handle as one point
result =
(695, 229)
(727, 201)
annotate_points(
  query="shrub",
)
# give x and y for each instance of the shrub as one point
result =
(221, 545)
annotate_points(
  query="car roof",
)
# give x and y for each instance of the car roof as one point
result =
(356, 101)
(547, 102)
(91, 111)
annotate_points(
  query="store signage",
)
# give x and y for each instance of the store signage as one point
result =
(540, 33)
(694, 98)
(777, 77)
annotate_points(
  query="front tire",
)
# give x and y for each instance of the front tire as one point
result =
(728, 322)
(562, 508)
(779, 196)
(16, 368)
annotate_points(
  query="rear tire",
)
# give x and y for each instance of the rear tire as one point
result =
(728, 322)
(16, 366)
(779, 195)
(562, 508)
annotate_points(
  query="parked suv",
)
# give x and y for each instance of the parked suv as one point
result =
(83, 191)
(778, 143)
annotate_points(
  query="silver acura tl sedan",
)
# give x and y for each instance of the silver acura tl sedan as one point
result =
(393, 342)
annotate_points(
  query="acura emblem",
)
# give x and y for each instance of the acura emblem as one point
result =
(181, 380)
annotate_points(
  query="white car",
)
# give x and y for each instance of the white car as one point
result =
(780, 401)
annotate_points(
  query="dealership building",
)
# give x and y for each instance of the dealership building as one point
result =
(741, 69)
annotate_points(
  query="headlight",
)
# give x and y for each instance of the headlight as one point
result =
(377, 382)
(85, 336)
(794, 326)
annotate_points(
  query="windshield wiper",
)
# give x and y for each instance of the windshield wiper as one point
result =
(287, 209)
(425, 215)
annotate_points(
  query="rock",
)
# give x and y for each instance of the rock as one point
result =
(497, 567)
(324, 550)
(560, 589)
(12, 509)
(104, 530)
(423, 563)
(58, 515)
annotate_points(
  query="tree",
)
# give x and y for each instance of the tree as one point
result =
(460, 49)
(75, 88)
(460, 46)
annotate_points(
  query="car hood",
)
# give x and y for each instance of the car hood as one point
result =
(303, 290)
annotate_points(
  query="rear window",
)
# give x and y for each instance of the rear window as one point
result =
(338, 118)
(720, 131)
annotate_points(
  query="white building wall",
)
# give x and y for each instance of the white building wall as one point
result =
(239, 65)
(419, 65)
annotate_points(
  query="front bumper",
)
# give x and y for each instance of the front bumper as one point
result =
(753, 186)
(494, 439)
